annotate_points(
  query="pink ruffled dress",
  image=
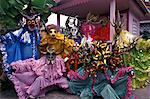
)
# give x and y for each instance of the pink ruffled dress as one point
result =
(32, 77)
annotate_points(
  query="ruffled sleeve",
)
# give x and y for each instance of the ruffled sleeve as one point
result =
(39, 67)
(23, 66)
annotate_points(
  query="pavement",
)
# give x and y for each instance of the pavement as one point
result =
(60, 94)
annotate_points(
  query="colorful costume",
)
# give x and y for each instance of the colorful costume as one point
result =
(139, 59)
(21, 44)
(57, 41)
(32, 77)
(95, 76)
(87, 87)
(72, 29)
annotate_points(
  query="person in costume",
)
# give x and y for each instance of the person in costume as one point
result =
(101, 73)
(94, 77)
(73, 29)
(32, 77)
(139, 59)
(59, 42)
(21, 44)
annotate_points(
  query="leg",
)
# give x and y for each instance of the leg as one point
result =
(37, 86)
(109, 93)
(26, 77)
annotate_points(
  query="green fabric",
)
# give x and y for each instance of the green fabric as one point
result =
(109, 93)
(139, 59)
(83, 88)
(120, 86)
(86, 97)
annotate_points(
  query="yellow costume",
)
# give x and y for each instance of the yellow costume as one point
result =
(54, 39)
(125, 39)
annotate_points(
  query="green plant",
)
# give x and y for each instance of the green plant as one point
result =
(10, 11)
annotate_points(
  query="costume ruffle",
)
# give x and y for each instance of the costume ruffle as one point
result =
(33, 76)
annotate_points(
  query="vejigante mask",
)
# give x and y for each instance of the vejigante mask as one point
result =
(50, 54)
(31, 18)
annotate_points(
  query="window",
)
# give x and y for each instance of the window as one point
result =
(63, 19)
(52, 19)
(147, 0)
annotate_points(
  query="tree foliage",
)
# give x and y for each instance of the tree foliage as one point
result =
(10, 11)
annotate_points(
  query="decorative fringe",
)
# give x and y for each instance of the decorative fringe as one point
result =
(75, 75)
(17, 86)
(121, 72)
(6, 67)
(129, 88)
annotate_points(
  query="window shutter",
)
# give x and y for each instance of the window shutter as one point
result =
(135, 27)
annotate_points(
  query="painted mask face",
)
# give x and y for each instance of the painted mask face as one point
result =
(76, 47)
(71, 22)
(31, 24)
(118, 29)
(52, 33)
(50, 54)
(74, 31)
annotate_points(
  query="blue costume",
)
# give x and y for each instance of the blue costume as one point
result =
(19, 45)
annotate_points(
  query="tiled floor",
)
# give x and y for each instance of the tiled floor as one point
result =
(10, 94)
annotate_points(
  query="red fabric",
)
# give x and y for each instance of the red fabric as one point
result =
(97, 32)
(102, 33)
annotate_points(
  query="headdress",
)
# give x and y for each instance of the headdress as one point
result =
(30, 17)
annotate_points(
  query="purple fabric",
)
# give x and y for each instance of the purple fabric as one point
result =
(33, 76)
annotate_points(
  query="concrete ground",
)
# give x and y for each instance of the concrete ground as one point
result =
(60, 94)
(143, 93)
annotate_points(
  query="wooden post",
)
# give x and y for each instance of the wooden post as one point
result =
(58, 20)
(112, 17)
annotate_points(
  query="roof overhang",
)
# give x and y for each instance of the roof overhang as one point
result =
(142, 5)
(100, 7)
(148, 21)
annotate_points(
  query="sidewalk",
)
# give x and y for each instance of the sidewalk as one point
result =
(59, 94)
